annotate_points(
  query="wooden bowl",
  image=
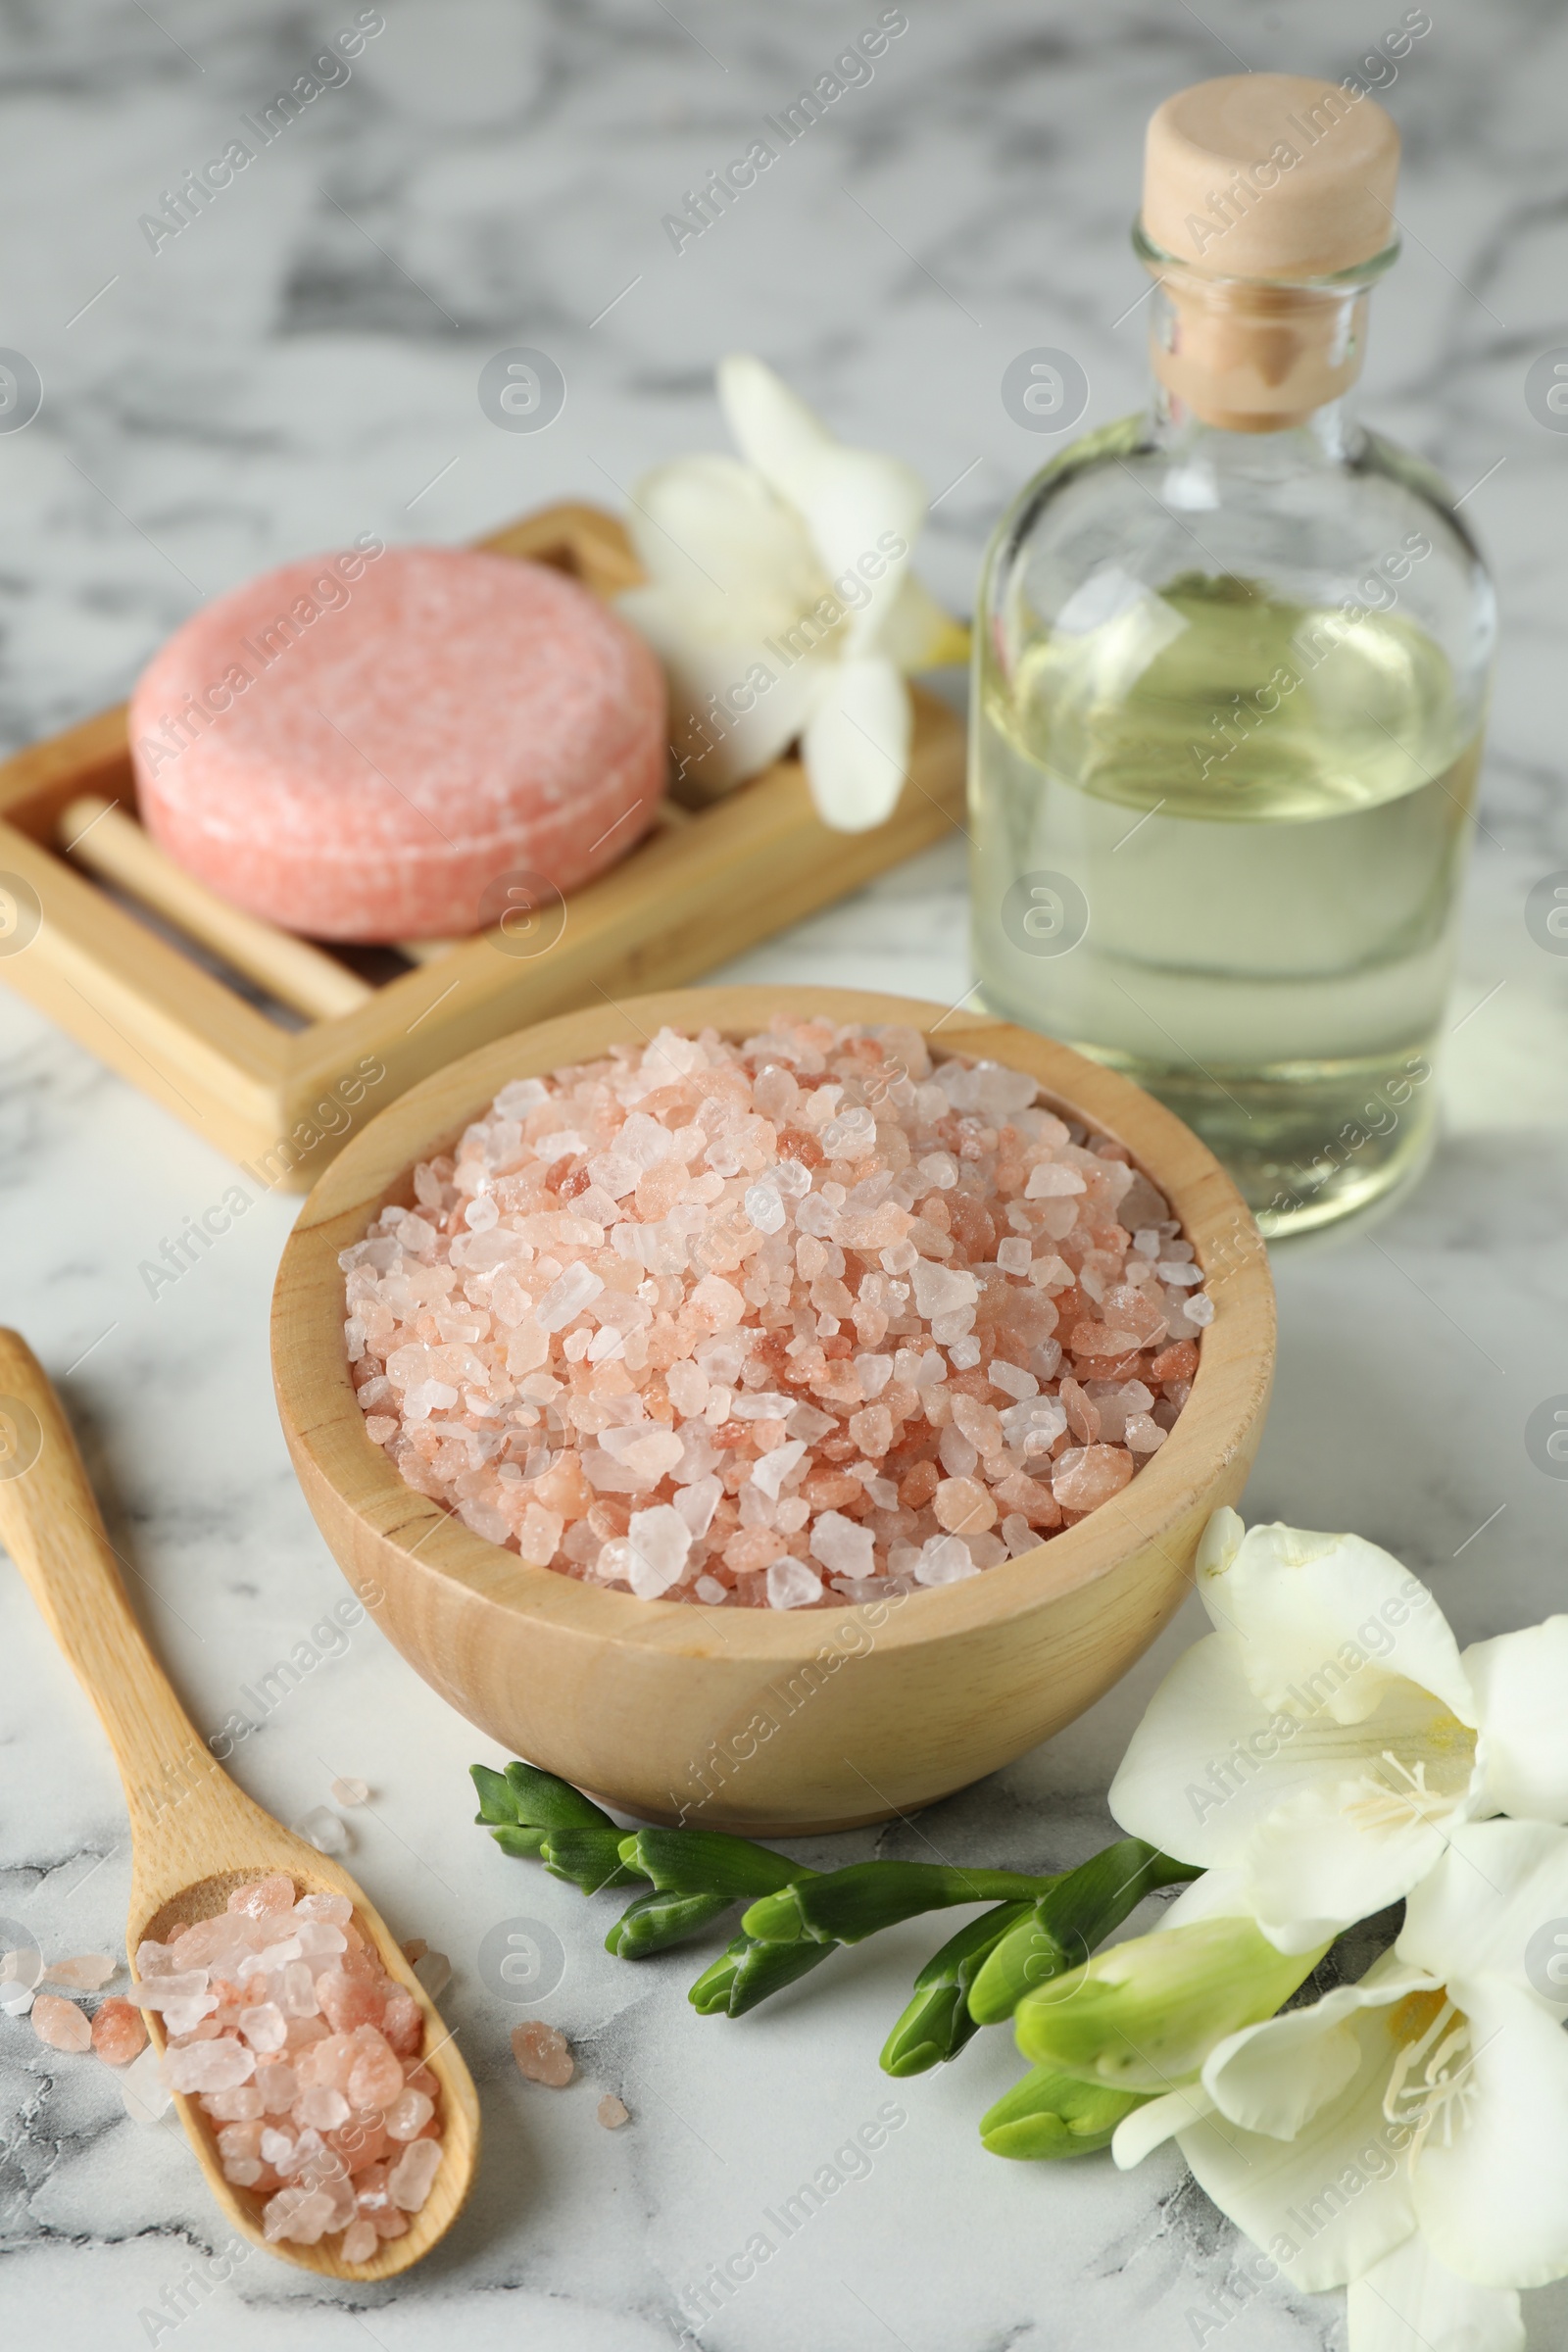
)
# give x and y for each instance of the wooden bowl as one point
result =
(776, 1722)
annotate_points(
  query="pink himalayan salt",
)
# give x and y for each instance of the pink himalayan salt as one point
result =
(305, 2058)
(89, 1971)
(962, 1507)
(1089, 1475)
(722, 1324)
(60, 2023)
(118, 2033)
(543, 2054)
(409, 2179)
(613, 2111)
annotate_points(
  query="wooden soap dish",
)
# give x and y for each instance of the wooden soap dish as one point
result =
(276, 1049)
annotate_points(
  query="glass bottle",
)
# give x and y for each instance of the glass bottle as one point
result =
(1231, 671)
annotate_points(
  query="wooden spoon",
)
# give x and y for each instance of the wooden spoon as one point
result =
(194, 1836)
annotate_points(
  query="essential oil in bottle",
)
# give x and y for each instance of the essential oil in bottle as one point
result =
(1231, 674)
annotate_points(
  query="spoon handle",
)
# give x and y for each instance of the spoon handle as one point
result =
(50, 1524)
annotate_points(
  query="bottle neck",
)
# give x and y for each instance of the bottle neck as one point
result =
(1247, 356)
(1330, 435)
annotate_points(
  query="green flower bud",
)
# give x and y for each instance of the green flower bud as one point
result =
(708, 1862)
(496, 1802)
(656, 1921)
(1146, 2014)
(1076, 1914)
(938, 2022)
(542, 1801)
(1050, 2114)
(588, 1858)
(524, 1845)
(748, 1971)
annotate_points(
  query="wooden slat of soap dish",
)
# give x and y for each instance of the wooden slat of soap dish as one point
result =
(706, 884)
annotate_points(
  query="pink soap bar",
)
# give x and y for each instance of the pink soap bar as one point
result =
(359, 745)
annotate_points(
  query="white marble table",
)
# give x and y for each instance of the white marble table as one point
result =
(300, 364)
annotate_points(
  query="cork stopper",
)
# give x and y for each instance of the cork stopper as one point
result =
(1271, 176)
(1259, 188)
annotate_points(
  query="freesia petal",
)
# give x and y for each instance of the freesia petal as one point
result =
(1520, 1681)
(1312, 1866)
(700, 670)
(1210, 1762)
(1333, 2200)
(856, 746)
(1499, 1888)
(1330, 1621)
(863, 511)
(1192, 1781)
(1222, 1539)
(1489, 2189)
(1148, 2127)
(771, 426)
(1274, 2077)
(739, 560)
(1217, 1895)
(1409, 2303)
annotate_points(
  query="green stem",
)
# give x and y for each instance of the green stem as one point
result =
(845, 1906)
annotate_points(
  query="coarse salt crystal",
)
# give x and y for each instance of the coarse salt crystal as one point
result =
(542, 2053)
(435, 1971)
(843, 1546)
(323, 1829)
(660, 1543)
(943, 1560)
(764, 1289)
(772, 1468)
(118, 2032)
(791, 1584)
(88, 1970)
(60, 2023)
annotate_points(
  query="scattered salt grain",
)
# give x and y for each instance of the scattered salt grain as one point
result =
(613, 2111)
(703, 1319)
(323, 1829)
(118, 2033)
(88, 1970)
(145, 2094)
(351, 1793)
(543, 2054)
(435, 1971)
(60, 2023)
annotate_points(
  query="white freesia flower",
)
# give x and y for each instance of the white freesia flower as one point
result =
(781, 602)
(1407, 2135)
(1324, 1743)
